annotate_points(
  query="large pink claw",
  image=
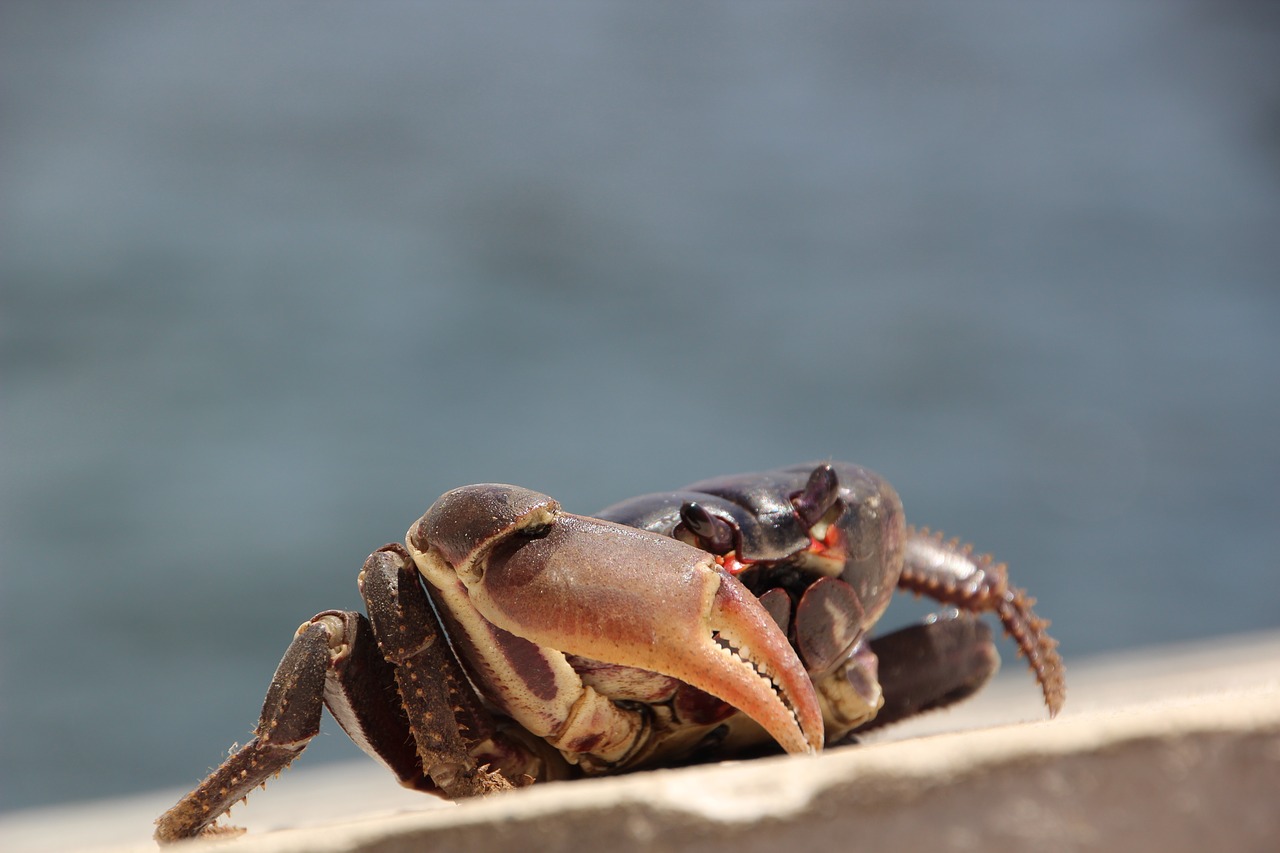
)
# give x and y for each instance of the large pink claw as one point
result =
(632, 598)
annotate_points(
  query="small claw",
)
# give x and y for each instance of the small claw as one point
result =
(933, 664)
(628, 597)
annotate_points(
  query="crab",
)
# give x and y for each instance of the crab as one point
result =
(508, 641)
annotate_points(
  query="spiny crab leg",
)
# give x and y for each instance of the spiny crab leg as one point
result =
(949, 571)
(622, 596)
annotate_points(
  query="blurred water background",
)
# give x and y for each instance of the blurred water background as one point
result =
(276, 275)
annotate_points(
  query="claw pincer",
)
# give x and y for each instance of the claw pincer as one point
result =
(562, 584)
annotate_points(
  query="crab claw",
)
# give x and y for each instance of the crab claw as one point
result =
(628, 597)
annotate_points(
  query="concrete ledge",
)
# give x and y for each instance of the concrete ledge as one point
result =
(1171, 749)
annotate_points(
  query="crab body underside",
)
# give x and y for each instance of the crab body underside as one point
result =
(508, 641)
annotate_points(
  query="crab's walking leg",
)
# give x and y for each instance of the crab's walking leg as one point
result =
(932, 665)
(332, 660)
(949, 571)
(455, 736)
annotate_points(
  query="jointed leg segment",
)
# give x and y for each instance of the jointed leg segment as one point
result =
(394, 687)
(447, 722)
(321, 654)
(949, 571)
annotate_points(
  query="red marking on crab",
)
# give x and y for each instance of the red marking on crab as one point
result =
(831, 541)
(731, 564)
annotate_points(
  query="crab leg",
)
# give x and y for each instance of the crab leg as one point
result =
(621, 596)
(949, 571)
(332, 660)
(448, 724)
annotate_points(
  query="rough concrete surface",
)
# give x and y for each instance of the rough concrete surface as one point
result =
(1167, 749)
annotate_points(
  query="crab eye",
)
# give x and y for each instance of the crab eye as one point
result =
(714, 533)
(818, 496)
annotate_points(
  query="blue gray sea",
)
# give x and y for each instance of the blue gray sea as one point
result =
(273, 276)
